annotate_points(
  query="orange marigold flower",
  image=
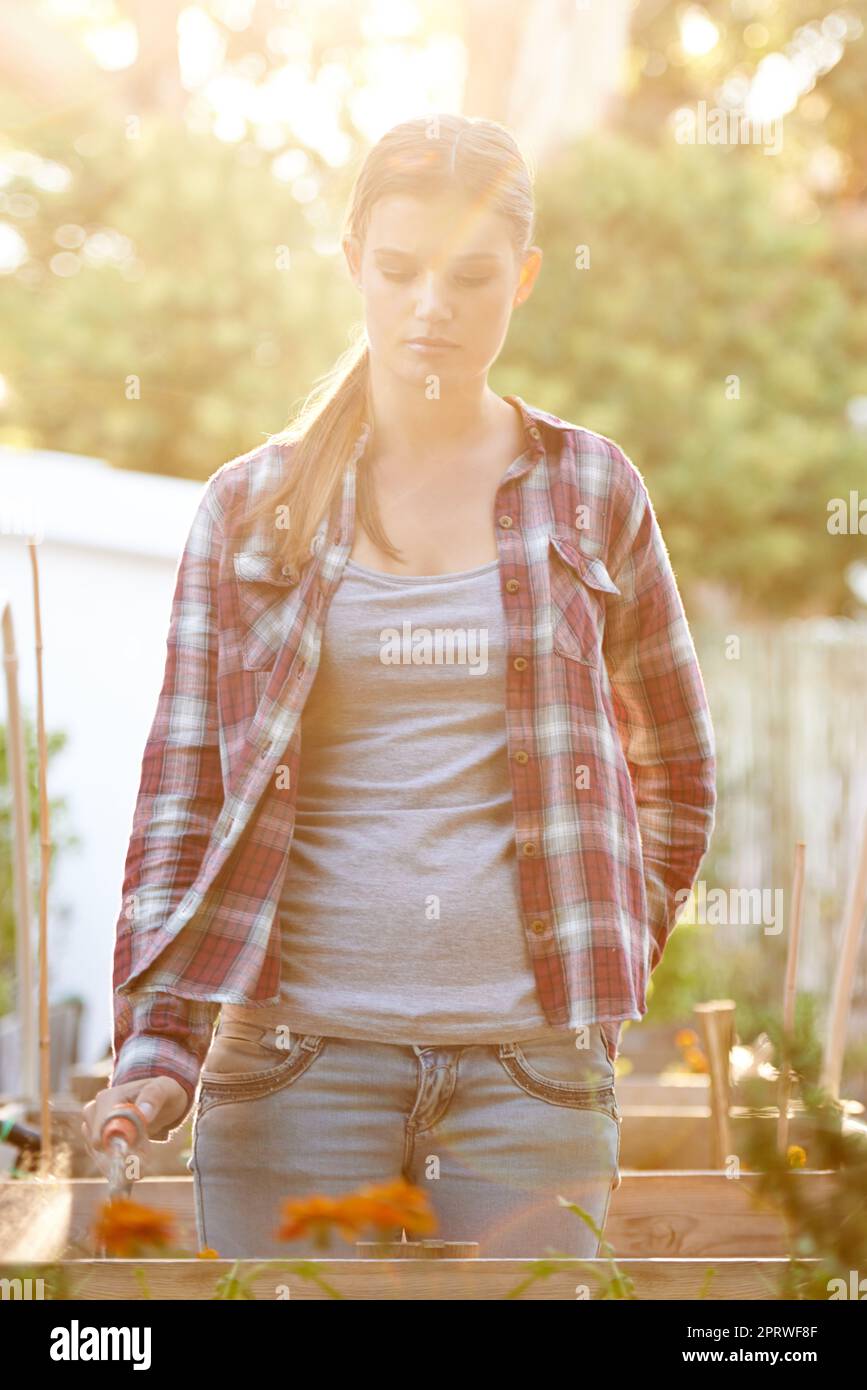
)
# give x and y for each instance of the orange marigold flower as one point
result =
(685, 1037)
(207, 1254)
(385, 1206)
(318, 1216)
(695, 1059)
(796, 1156)
(398, 1203)
(123, 1227)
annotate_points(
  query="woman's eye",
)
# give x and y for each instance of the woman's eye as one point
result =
(465, 280)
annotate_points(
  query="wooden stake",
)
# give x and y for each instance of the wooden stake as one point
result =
(19, 784)
(832, 1065)
(790, 990)
(717, 1019)
(45, 861)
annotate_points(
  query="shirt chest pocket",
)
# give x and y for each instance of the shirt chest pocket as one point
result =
(580, 585)
(269, 602)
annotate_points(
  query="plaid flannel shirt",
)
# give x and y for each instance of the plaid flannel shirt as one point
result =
(609, 741)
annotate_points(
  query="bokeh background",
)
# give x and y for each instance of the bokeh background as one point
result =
(173, 180)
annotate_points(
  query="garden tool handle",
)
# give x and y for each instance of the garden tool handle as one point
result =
(126, 1122)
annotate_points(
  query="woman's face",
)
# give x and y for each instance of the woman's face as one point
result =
(438, 268)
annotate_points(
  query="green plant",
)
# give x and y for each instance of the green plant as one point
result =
(240, 1286)
(831, 1234)
(61, 839)
(618, 1286)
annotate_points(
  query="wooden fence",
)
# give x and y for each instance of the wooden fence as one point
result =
(789, 706)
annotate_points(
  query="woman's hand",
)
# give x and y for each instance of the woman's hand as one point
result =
(161, 1098)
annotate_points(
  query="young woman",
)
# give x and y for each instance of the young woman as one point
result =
(431, 762)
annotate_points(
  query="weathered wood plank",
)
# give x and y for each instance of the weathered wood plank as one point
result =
(656, 1214)
(647, 1090)
(716, 1280)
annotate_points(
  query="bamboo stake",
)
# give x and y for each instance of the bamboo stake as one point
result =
(45, 860)
(790, 990)
(19, 785)
(717, 1019)
(832, 1065)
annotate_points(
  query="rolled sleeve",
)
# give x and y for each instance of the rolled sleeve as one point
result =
(164, 1035)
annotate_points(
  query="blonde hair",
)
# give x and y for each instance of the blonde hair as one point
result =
(421, 157)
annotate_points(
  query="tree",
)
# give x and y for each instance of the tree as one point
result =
(710, 337)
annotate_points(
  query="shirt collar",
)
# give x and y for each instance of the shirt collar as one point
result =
(533, 418)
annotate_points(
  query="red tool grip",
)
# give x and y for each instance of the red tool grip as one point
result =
(125, 1122)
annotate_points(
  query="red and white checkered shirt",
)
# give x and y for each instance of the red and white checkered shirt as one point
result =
(610, 746)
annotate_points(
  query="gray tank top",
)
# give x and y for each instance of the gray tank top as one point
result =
(400, 913)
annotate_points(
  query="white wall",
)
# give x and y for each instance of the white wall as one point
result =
(108, 555)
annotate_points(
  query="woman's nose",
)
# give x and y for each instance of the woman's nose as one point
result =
(432, 303)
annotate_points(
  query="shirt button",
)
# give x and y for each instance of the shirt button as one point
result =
(512, 586)
(520, 663)
(528, 847)
(288, 571)
(534, 432)
(538, 926)
(506, 522)
(521, 756)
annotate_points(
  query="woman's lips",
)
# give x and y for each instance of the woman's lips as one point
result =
(426, 348)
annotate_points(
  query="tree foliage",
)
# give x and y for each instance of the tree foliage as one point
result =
(177, 299)
(718, 342)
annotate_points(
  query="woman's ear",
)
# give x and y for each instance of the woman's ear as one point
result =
(529, 270)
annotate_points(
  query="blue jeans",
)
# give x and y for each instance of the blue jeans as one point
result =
(492, 1133)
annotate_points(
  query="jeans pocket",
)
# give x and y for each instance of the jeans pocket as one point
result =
(565, 1073)
(243, 1066)
(243, 1049)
